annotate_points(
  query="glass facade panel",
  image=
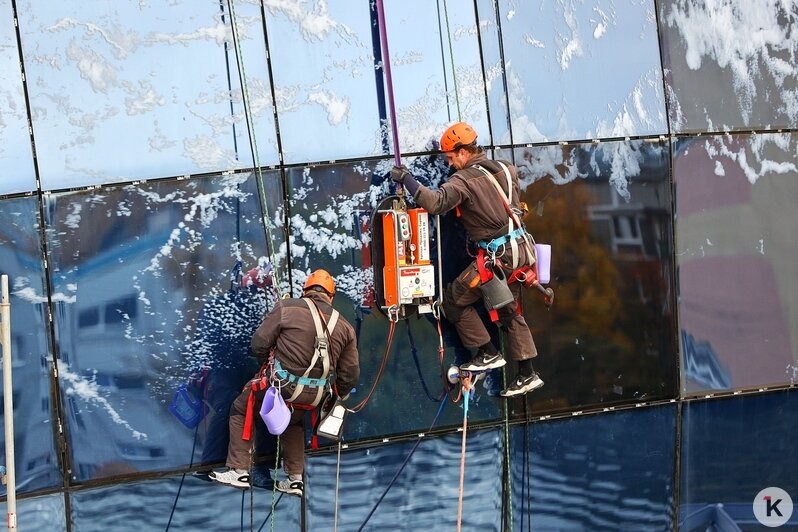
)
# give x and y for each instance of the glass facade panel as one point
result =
(730, 65)
(150, 312)
(576, 474)
(129, 91)
(736, 227)
(36, 459)
(324, 74)
(443, 32)
(494, 72)
(423, 495)
(582, 70)
(16, 157)
(181, 503)
(732, 449)
(605, 210)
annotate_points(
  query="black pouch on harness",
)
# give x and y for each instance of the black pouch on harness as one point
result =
(331, 424)
(495, 292)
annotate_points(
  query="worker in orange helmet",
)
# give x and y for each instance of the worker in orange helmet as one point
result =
(486, 195)
(287, 345)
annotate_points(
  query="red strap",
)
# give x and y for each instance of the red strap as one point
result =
(255, 385)
(457, 211)
(526, 275)
(314, 440)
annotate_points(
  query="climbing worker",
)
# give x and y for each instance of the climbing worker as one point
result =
(485, 194)
(307, 350)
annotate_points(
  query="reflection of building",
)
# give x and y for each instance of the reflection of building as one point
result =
(736, 256)
(36, 460)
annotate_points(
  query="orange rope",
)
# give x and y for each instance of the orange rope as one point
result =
(466, 392)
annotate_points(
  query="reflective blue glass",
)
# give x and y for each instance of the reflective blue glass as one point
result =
(153, 326)
(16, 156)
(435, 42)
(129, 91)
(495, 79)
(604, 472)
(332, 99)
(582, 70)
(21, 260)
(422, 495)
(40, 513)
(735, 220)
(181, 503)
(730, 65)
(331, 211)
(606, 211)
(731, 450)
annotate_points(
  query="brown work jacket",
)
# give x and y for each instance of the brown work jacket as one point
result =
(482, 211)
(289, 329)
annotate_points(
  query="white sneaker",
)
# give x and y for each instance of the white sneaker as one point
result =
(231, 477)
(291, 487)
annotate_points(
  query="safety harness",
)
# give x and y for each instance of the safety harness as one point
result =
(490, 251)
(273, 374)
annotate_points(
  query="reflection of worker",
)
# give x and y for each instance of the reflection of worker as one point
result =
(221, 347)
(486, 196)
(287, 344)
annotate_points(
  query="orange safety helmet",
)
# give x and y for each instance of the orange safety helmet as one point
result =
(322, 279)
(456, 135)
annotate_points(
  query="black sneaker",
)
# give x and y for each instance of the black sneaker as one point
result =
(483, 361)
(523, 384)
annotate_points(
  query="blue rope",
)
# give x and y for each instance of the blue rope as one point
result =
(415, 446)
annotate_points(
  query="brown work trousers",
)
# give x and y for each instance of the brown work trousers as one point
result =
(292, 441)
(465, 291)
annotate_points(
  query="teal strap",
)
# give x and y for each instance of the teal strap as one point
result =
(283, 374)
(496, 243)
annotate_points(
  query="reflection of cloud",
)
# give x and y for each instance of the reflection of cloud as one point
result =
(337, 108)
(742, 36)
(569, 47)
(92, 67)
(30, 295)
(761, 165)
(89, 391)
(314, 25)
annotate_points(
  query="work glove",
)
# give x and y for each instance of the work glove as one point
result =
(398, 174)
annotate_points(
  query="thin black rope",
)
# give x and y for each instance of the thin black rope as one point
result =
(270, 512)
(183, 478)
(414, 352)
(401, 468)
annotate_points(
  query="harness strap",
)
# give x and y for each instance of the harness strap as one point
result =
(321, 351)
(513, 223)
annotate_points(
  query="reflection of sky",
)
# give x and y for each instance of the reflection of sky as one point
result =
(16, 159)
(130, 92)
(732, 64)
(582, 70)
(324, 80)
(330, 82)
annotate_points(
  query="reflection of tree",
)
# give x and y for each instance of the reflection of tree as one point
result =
(608, 333)
(588, 301)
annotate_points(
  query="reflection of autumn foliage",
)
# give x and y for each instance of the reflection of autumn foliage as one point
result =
(584, 275)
